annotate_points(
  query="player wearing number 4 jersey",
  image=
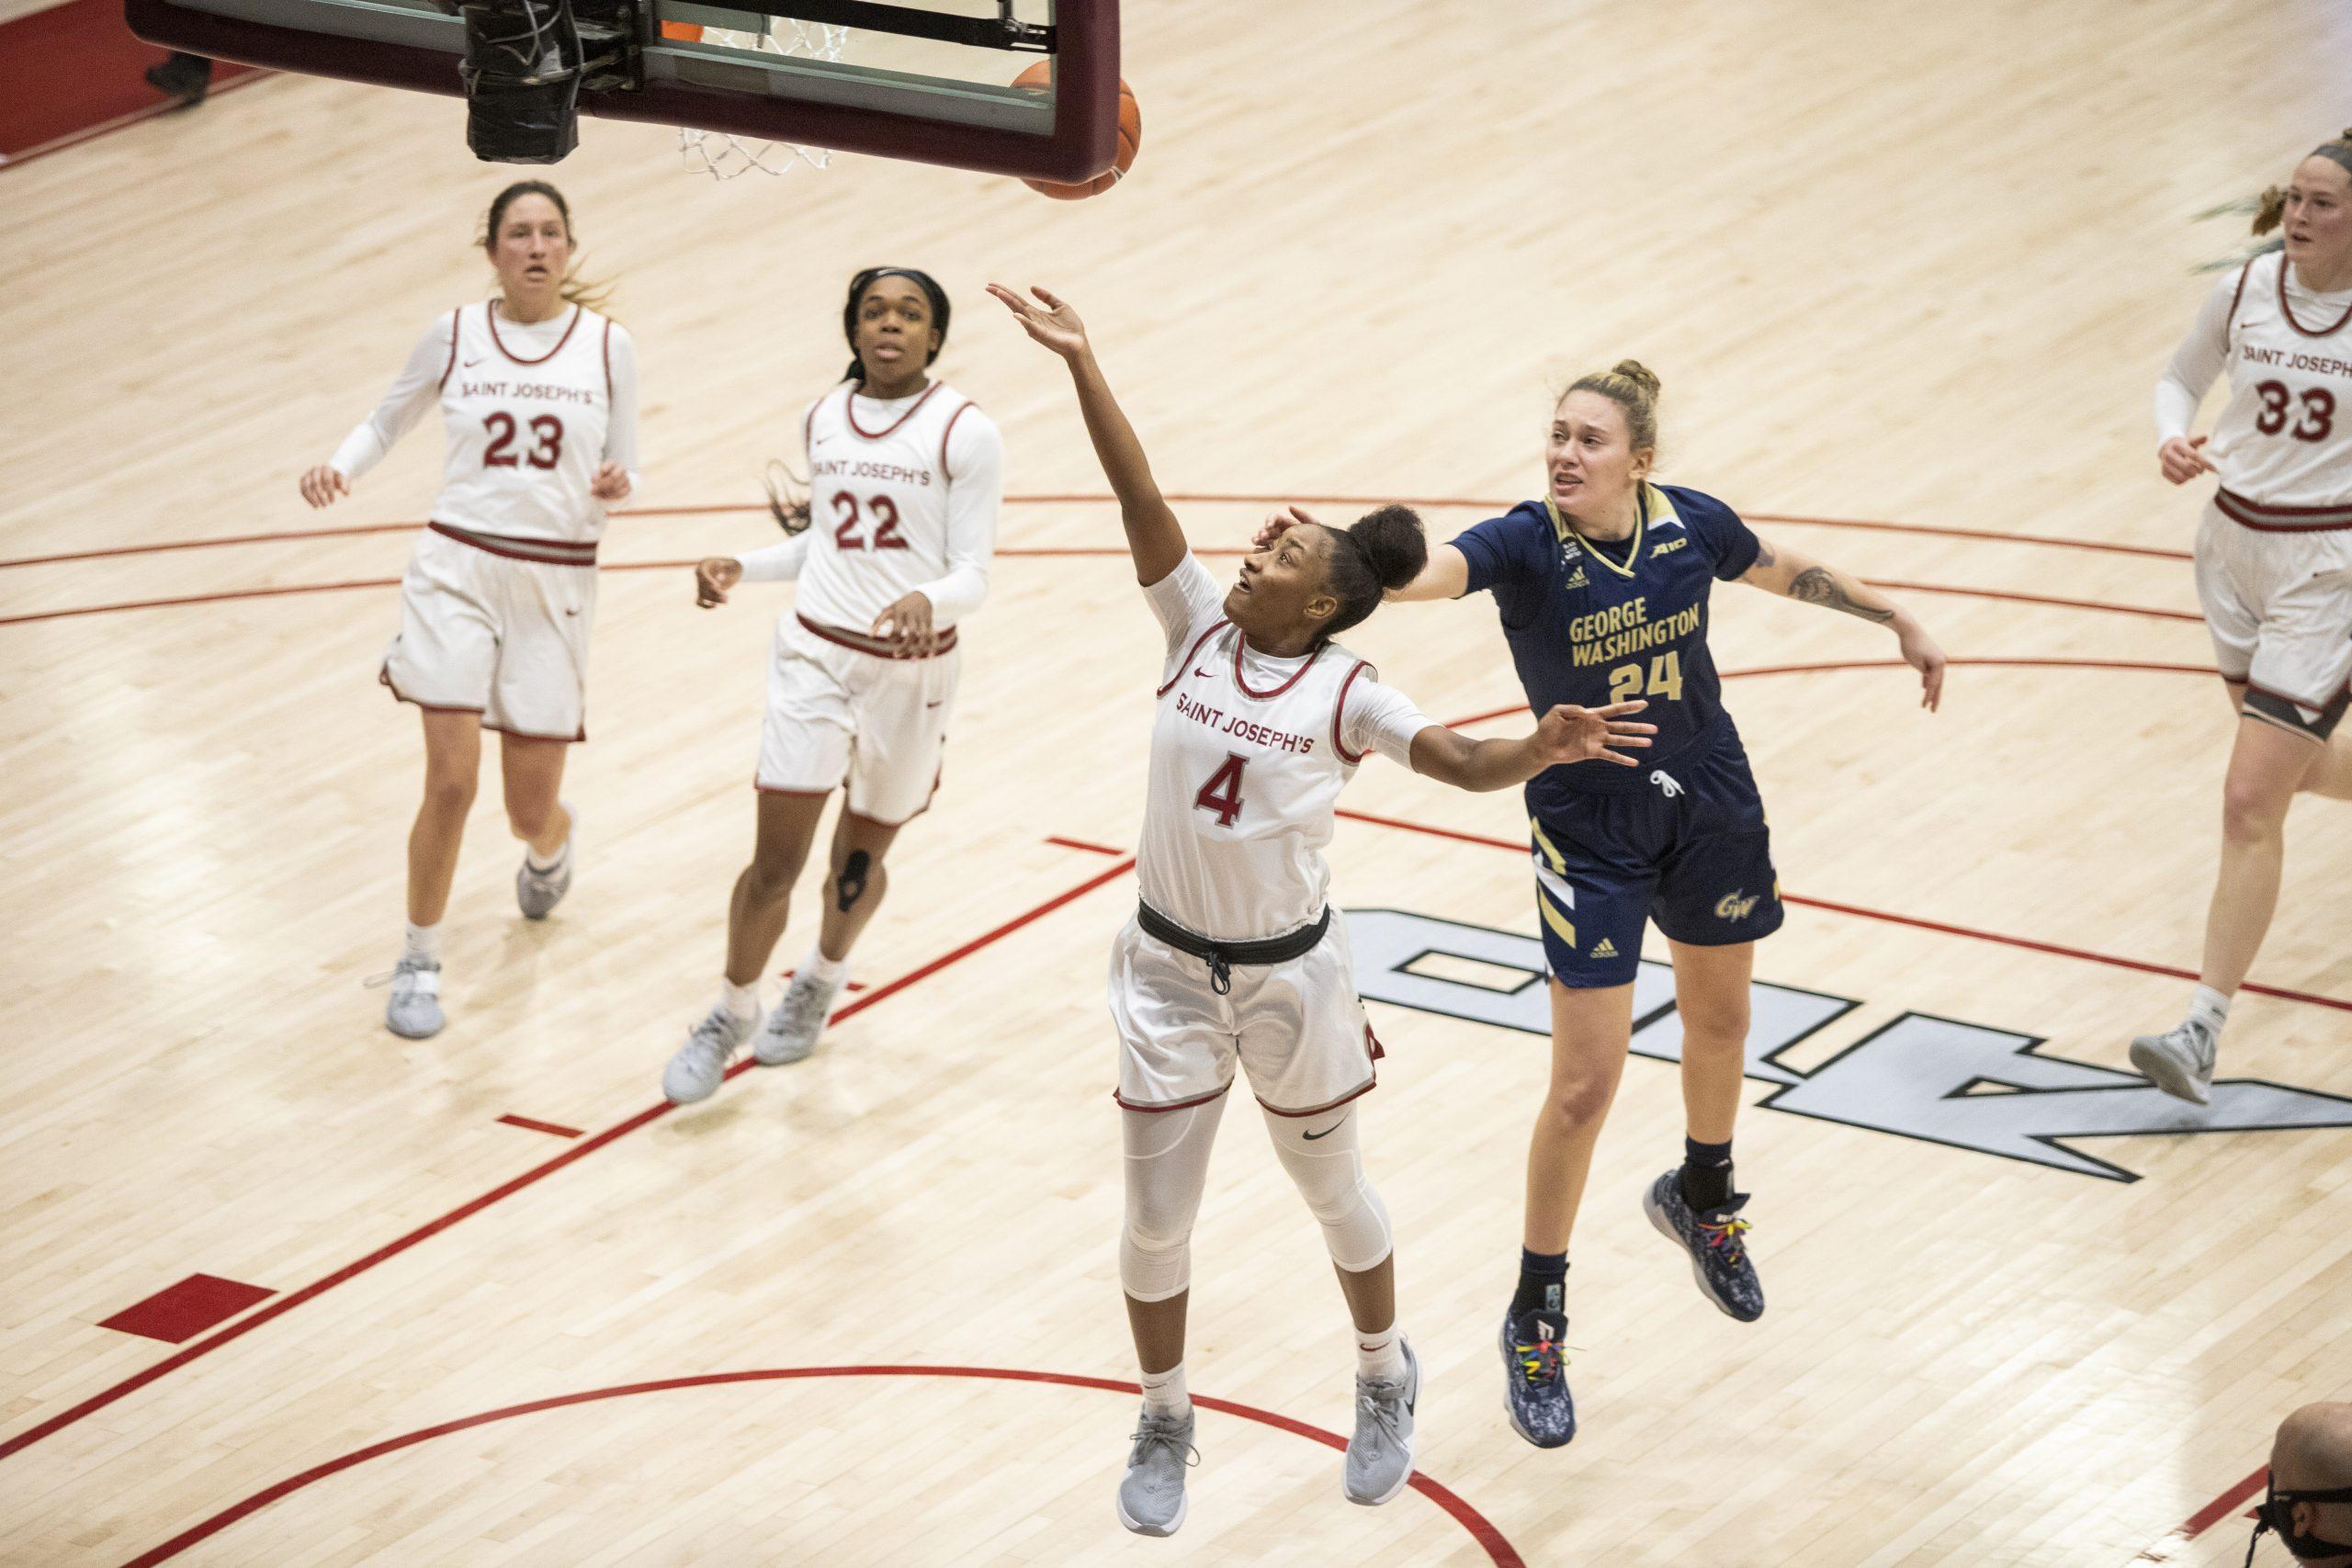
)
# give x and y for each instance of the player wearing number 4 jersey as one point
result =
(538, 393)
(1233, 961)
(2274, 563)
(892, 550)
(1602, 585)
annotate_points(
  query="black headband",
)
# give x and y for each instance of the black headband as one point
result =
(2337, 153)
(867, 279)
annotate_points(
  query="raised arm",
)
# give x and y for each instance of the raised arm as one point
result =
(1155, 538)
(1792, 574)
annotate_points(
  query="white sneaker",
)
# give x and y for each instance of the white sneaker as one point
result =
(791, 1030)
(2179, 1061)
(700, 1066)
(537, 892)
(414, 1010)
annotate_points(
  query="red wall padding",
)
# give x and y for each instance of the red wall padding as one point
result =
(73, 70)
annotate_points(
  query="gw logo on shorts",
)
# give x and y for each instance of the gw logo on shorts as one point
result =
(1939, 1080)
(1732, 906)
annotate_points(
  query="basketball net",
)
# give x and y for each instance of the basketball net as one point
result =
(723, 156)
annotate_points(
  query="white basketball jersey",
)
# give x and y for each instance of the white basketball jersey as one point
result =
(526, 435)
(877, 501)
(1248, 754)
(2285, 437)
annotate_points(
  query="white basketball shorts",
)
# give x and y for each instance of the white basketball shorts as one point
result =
(1297, 1027)
(837, 715)
(2279, 608)
(490, 634)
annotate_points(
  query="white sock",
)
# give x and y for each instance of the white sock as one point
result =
(562, 851)
(424, 942)
(2210, 1008)
(742, 1002)
(1381, 1355)
(1163, 1392)
(816, 967)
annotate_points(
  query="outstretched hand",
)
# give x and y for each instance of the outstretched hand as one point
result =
(1056, 326)
(1571, 734)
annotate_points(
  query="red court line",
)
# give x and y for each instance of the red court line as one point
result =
(1082, 844)
(729, 508)
(2209, 1515)
(1860, 912)
(1480, 1529)
(1043, 552)
(580, 1150)
(528, 1126)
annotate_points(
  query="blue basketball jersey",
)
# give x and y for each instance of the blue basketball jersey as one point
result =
(1592, 622)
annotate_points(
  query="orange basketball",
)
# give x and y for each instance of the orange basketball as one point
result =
(1039, 78)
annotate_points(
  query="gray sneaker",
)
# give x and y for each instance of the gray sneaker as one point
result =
(2179, 1061)
(791, 1030)
(1151, 1499)
(1380, 1456)
(539, 891)
(700, 1066)
(413, 1011)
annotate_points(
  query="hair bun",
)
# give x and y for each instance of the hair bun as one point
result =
(1392, 541)
(1639, 374)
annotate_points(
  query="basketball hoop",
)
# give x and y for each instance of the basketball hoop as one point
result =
(724, 157)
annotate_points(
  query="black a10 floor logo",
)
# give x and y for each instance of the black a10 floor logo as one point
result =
(1919, 1077)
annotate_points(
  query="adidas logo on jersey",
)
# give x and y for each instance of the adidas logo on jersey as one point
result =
(1607, 949)
(1576, 578)
(1733, 906)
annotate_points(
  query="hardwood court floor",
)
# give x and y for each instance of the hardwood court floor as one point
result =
(1898, 265)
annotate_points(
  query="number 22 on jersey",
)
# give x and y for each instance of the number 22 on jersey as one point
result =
(1626, 682)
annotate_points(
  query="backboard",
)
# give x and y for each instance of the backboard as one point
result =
(930, 82)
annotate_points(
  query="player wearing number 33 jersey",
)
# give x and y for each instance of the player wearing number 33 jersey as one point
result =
(2274, 563)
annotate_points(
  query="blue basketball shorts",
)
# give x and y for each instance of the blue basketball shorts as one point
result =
(1689, 849)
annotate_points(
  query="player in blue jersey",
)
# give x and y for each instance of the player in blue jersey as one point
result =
(1602, 586)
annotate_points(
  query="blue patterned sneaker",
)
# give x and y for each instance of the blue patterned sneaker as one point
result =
(1151, 1495)
(1535, 1379)
(1719, 1258)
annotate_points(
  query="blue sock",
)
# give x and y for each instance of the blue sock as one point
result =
(1706, 1174)
(1543, 1284)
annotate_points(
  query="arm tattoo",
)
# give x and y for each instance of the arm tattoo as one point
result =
(1816, 585)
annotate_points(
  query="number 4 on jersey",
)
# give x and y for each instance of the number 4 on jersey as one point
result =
(1222, 794)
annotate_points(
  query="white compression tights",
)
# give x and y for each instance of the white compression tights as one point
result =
(1168, 1170)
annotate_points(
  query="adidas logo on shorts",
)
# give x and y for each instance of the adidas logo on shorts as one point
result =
(1607, 949)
